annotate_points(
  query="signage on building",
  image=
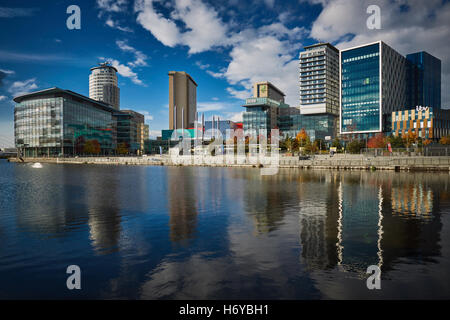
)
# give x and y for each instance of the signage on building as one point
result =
(327, 138)
(420, 108)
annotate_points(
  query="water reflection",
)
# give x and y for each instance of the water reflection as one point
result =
(182, 199)
(298, 234)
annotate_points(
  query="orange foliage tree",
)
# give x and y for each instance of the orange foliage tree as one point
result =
(377, 141)
(302, 138)
(445, 140)
(410, 138)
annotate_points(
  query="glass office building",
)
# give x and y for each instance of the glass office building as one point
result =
(128, 125)
(55, 122)
(360, 89)
(424, 80)
(317, 126)
(261, 113)
(373, 85)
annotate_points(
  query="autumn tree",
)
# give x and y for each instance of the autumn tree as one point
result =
(377, 141)
(410, 137)
(426, 142)
(122, 148)
(92, 147)
(445, 140)
(302, 138)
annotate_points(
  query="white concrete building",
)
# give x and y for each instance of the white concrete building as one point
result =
(103, 85)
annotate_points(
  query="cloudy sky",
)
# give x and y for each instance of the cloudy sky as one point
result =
(224, 45)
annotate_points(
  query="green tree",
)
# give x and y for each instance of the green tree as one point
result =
(355, 146)
(396, 141)
(92, 147)
(336, 144)
(320, 144)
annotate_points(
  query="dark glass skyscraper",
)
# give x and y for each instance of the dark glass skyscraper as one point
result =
(373, 84)
(424, 80)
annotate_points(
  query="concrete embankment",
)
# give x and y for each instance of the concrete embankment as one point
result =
(340, 162)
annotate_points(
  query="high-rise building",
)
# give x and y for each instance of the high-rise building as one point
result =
(423, 80)
(319, 79)
(373, 85)
(262, 110)
(182, 100)
(103, 85)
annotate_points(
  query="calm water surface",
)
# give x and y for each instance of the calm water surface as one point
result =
(221, 233)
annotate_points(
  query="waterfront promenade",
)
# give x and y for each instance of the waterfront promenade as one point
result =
(338, 161)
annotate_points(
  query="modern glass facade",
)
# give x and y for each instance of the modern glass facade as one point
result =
(59, 122)
(360, 89)
(128, 125)
(261, 113)
(317, 126)
(423, 80)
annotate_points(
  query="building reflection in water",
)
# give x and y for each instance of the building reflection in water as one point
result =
(412, 200)
(182, 202)
(318, 219)
(46, 207)
(267, 199)
(103, 203)
(358, 219)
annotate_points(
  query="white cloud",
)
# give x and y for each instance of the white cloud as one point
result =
(147, 115)
(16, 12)
(212, 106)
(163, 29)
(7, 71)
(113, 24)
(194, 15)
(204, 27)
(240, 94)
(269, 3)
(3, 98)
(124, 71)
(3, 74)
(112, 5)
(21, 87)
(140, 58)
(15, 56)
(234, 116)
(408, 27)
(154, 133)
(247, 57)
(273, 45)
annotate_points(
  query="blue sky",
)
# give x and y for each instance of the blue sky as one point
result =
(224, 45)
